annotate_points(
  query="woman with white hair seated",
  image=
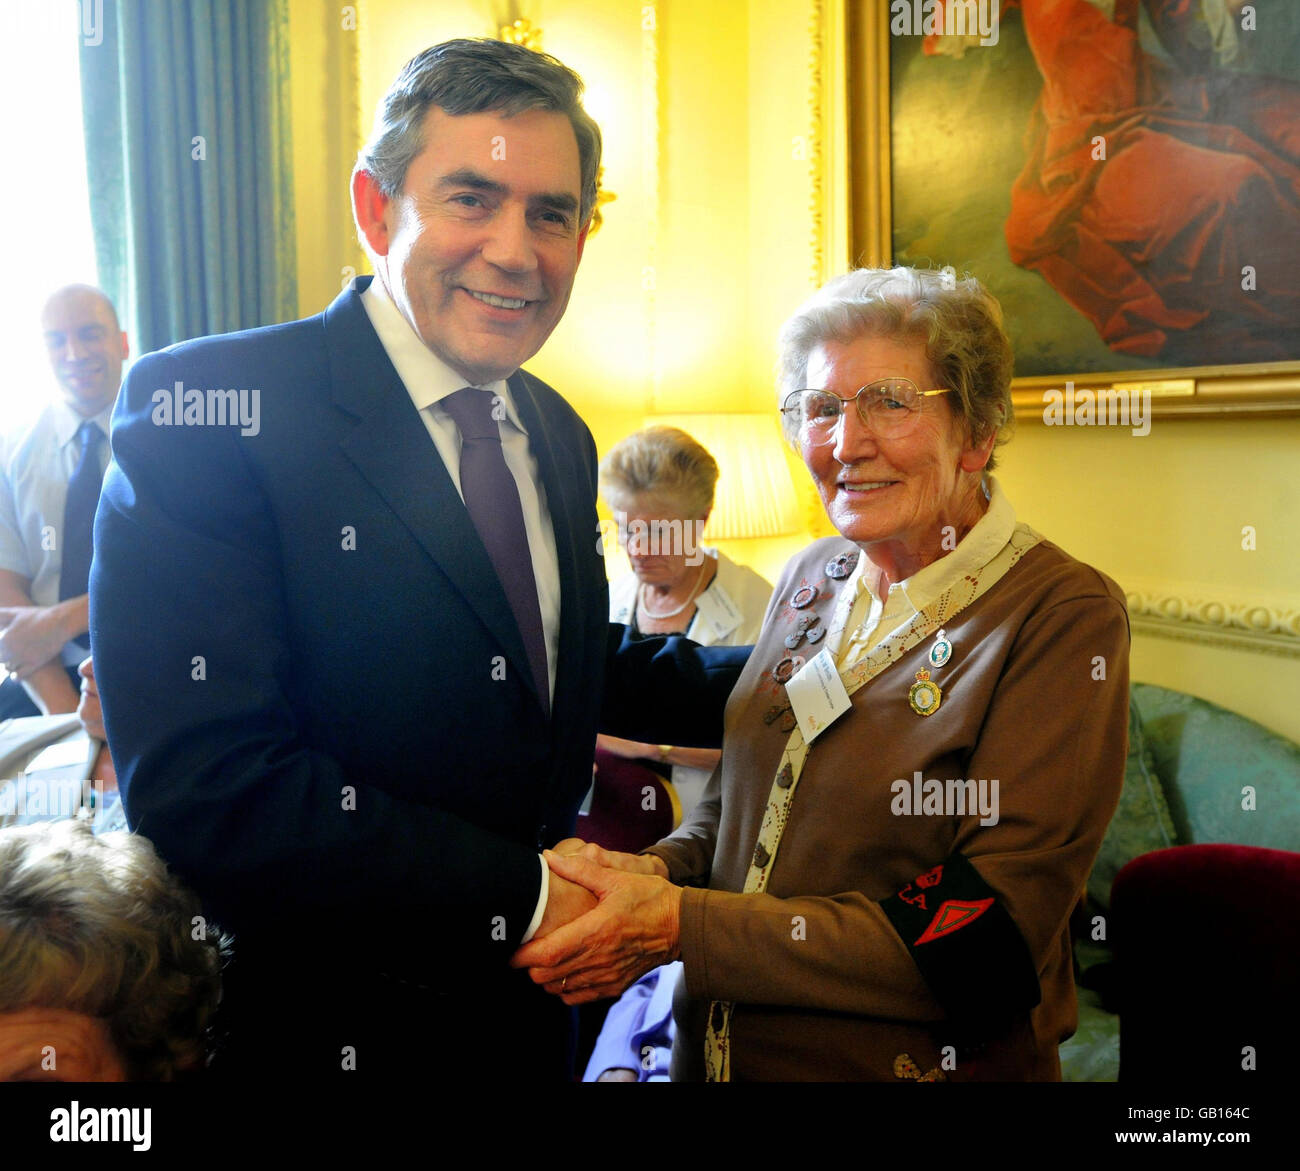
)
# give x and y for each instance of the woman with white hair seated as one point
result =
(659, 482)
(107, 969)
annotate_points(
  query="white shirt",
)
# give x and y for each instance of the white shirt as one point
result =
(35, 466)
(429, 380)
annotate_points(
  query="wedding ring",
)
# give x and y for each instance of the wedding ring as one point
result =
(563, 983)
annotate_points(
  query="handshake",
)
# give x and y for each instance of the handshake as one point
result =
(609, 919)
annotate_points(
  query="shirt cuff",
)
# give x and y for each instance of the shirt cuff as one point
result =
(536, 920)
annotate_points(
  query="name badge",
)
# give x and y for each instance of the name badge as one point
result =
(817, 695)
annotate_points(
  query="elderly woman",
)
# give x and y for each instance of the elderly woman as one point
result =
(104, 974)
(659, 483)
(921, 756)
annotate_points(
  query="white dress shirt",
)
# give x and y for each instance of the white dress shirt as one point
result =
(429, 380)
(35, 466)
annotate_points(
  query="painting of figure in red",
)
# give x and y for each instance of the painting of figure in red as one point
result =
(1152, 183)
(1162, 200)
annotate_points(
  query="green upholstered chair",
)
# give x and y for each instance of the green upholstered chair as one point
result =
(1196, 773)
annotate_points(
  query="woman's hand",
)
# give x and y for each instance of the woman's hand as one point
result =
(634, 927)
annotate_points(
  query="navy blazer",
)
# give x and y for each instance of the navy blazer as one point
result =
(315, 692)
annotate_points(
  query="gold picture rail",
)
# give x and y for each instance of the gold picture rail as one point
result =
(1261, 390)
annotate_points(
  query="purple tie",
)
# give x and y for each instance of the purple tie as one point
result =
(493, 502)
(79, 513)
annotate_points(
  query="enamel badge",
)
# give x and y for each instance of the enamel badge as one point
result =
(941, 651)
(804, 597)
(838, 568)
(784, 671)
(924, 695)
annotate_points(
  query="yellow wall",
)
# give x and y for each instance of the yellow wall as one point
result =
(1167, 511)
(679, 297)
(325, 140)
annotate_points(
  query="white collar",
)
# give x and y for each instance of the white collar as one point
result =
(427, 378)
(67, 421)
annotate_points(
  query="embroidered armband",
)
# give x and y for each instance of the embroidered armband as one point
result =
(966, 945)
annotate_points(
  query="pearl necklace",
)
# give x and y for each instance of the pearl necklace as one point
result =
(649, 613)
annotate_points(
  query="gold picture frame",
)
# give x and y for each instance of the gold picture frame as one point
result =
(1249, 390)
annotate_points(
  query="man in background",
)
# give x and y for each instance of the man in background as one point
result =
(50, 477)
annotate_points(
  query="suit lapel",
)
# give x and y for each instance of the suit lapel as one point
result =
(391, 448)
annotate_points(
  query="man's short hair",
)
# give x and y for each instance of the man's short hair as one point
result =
(474, 77)
(97, 925)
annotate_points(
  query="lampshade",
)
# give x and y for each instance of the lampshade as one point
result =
(756, 495)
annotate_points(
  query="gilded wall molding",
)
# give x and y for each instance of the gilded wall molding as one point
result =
(828, 140)
(816, 133)
(1169, 612)
(651, 186)
(354, 126)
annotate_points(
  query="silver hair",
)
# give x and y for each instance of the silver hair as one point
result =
(97, 925)
(957, 319)
(662, 462)
(472, 76)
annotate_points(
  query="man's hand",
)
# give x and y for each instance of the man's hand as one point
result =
(635, 928)
(565, 901)
(615, 859)
(31, 636)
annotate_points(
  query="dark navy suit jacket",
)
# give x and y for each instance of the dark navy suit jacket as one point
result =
(315, 692)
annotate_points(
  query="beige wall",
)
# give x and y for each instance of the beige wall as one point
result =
(1165, 512)
(714, 201)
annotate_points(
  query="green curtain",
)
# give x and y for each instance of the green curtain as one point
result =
(189, 161)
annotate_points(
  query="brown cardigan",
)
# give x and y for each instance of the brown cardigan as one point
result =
(838, 995)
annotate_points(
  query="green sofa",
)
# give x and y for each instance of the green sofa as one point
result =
(1196, 773)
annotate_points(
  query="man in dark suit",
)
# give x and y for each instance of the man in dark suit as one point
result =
(349, 610)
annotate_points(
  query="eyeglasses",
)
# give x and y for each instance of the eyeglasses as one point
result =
(889, 406)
